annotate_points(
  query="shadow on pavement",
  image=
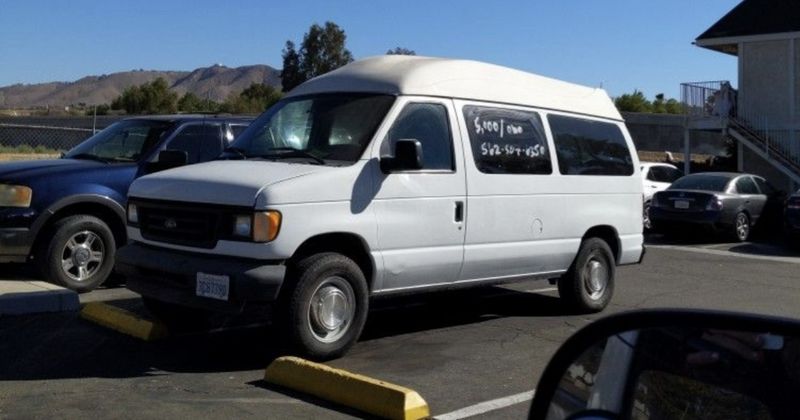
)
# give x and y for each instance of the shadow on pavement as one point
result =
(772, 246)
(53, 346)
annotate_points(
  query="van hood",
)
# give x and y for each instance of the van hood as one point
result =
(227, 182)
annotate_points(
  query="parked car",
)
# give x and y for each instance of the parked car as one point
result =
(389, 176)
(656, 177)
(68, 214)
(724, 202)
(792, 215)
(674, 364)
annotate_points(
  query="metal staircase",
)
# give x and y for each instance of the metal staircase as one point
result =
(779, 152)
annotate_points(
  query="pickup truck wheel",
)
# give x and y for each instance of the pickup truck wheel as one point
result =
(325, 309)
(80, 255)
(589, 283)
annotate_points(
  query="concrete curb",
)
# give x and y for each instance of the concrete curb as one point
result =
(19, 297)
(123, 321)
(352, 390)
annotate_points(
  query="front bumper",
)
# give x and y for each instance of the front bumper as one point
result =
(171, 276)
(15, 244)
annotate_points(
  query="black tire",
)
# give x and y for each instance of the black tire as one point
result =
(741, 227)
(332, 278)
(579, 290)
(175, 317)
(79, 255)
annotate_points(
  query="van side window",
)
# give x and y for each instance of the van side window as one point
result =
(428, 123)
(507, 141)
(586, 147)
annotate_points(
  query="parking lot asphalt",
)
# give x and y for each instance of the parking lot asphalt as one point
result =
(458, 350)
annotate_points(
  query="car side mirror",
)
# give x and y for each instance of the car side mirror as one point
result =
(674, 364)
(407, 156)
(168, 159)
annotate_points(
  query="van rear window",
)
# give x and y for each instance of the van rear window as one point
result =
(507, 141)
(586, 147)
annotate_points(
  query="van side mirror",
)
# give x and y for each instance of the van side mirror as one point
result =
(407, 156)
(674, 363)
(167, 159)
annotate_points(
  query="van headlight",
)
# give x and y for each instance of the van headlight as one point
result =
(15, 196)
(261, 226)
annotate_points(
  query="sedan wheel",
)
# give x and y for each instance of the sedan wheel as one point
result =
(742, 227)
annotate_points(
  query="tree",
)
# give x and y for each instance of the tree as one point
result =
(635, 102)
(190, 102)
(148, 98)
(401, 51)
(253, 100)
(323, 49)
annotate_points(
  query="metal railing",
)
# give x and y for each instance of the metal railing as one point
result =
(698, 98)
(779, 143)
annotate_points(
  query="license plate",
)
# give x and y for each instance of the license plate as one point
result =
(681, 204)
(213, 286)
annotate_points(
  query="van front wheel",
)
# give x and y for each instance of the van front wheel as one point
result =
(325, 309)
(589, 283)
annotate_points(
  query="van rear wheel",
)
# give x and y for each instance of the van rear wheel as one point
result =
(325, 309)
(589, 283)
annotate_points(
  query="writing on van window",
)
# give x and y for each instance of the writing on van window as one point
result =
(494, 149)
(500, 127)
(507, 141)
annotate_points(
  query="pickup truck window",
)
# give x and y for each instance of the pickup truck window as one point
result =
(201, 142)
(124, 141)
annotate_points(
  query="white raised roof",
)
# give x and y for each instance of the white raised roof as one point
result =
(465, 79)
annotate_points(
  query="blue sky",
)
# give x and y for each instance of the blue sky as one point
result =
(620, 44)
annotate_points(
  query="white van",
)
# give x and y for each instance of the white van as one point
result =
(391, 175)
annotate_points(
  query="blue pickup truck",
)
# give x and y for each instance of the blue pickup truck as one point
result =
(67, 215)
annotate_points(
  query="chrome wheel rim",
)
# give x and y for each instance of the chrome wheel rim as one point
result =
(82, 255)
(331, 310)
(742, 227)
(595, 279)
(646, 216)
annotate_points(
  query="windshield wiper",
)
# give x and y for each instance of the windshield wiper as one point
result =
(89, 156)
(290, 152)
(238, 150)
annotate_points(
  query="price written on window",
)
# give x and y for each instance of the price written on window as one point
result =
(500, 127)
(494, 149)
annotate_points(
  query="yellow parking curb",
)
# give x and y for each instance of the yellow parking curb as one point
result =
(349, 389)
(123, 321)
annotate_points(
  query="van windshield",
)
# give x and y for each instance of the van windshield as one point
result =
(330, 129)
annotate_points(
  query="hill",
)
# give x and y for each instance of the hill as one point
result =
(215, 82)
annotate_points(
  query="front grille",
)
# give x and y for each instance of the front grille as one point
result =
(188, 224)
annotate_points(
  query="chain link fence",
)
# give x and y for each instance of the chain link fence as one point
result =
(31, 137)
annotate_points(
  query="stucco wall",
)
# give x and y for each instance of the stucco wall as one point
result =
(765, 89)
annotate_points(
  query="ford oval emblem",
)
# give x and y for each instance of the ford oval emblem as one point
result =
(170, 224)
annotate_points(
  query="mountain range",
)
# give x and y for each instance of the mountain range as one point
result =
(215, 82)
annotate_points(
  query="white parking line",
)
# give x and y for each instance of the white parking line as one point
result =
(487, 406)
(791, 260)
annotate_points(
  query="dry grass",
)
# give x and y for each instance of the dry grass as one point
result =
(4, 157)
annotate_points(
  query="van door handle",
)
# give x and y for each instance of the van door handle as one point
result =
(459, 216)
